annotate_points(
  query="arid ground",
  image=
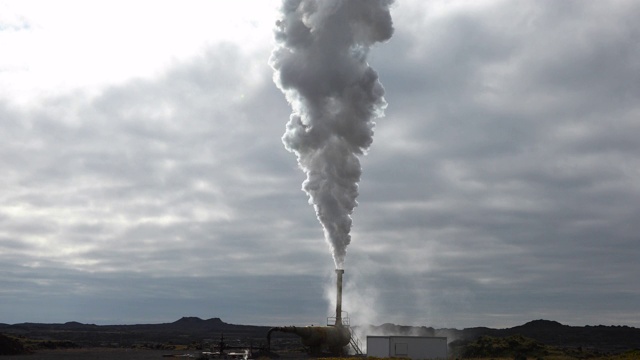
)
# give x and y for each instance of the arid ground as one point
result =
(94, 354)
(120, 354)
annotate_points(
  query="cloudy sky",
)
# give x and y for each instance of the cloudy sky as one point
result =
(144, 177)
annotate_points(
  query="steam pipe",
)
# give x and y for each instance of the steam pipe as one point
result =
(339, 273)
(335, 337)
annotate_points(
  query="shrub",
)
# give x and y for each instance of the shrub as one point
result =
(11, 346)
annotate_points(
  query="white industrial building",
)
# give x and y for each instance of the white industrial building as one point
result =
(414, 347)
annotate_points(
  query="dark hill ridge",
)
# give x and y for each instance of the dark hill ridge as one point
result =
(193, 329)
(546, 324)
(197, 323)
(183, 331)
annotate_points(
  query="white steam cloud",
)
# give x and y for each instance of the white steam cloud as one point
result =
(320, 65)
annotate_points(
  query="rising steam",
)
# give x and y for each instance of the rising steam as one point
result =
(320, 65)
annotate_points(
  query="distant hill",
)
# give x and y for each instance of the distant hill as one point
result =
(189, 330)
(183, 331)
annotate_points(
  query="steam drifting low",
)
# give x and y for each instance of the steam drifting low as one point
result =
(320, 65)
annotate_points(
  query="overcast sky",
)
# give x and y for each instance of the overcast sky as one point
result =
(144, 177)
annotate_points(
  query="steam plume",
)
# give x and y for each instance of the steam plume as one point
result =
(320, 65)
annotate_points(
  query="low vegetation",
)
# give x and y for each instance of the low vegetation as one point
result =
(518, 347)
(18, 345)
(11, 346)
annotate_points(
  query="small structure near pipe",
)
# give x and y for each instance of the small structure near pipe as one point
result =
(334, 337)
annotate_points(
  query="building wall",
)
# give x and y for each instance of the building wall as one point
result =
(414, 347)
(378, 346)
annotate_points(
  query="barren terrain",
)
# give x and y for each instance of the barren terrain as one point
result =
(94, 354)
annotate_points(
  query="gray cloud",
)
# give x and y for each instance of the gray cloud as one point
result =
(511, 157)
(501, 186)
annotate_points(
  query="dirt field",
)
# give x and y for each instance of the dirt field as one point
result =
(121, 354)
(97, 354)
